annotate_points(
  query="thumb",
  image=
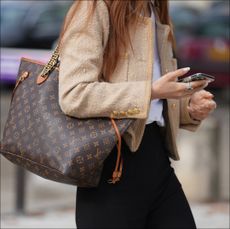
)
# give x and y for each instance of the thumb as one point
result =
(206, 94)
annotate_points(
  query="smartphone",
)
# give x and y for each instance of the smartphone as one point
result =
(195, 77)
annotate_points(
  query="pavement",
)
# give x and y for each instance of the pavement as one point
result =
(207, 215)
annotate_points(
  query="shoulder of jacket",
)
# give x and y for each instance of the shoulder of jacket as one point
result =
(102, 4)
(102, 9)
(103, 14)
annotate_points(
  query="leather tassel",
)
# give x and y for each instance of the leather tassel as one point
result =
(119, 163)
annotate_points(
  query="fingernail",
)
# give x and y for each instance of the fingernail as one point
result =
(186, 69)
(210, 94)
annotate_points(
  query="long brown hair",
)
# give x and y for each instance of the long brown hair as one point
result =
(123, 14)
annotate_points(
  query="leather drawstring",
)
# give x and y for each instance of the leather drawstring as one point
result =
(119, 163)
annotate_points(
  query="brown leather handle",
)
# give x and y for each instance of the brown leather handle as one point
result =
(119, 163)
(49, 67)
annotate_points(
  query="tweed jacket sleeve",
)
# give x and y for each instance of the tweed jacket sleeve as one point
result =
(82, 93)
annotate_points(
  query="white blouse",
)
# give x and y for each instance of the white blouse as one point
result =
(156, 106)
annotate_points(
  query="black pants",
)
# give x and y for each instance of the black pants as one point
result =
(148, 195)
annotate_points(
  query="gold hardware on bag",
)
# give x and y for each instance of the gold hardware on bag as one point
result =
(21, 78)
(49, 67)
(24, 75)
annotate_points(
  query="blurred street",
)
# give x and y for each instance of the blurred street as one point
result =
(209, 215)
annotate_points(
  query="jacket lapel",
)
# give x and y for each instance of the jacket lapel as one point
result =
(162, 32)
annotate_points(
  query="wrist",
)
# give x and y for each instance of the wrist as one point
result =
(154, 94)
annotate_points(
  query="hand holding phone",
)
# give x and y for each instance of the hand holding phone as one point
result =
(167, 86)
(196, 77)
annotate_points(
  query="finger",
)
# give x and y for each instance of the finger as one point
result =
(208, 95)
(211, 105)
(199, 84)
(175, 74)
(208, 103)
(199, 115)
(193, 109)
(190, 92)
(206, 109)
(195, 87)
(205, 94)
(202, 110)
(198, 90)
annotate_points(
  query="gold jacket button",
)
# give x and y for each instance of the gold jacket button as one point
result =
(123, 113)
(125, 55)
(130, 112)
(136, 110)
(115, 112)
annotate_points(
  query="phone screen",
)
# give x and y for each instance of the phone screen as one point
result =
(197, 76)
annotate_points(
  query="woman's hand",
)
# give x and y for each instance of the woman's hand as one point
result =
(167, 86)
(201, 105)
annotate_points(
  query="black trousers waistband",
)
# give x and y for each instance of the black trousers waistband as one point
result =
(154, 127)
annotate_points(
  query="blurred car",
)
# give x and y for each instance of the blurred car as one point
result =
(206, 48)
(10, 60)
(219, 4)
(185, 19)
(202, 37)
(31, 24)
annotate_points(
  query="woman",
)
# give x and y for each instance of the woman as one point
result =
(117, 61)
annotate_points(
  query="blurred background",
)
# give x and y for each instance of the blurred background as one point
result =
(31, 28)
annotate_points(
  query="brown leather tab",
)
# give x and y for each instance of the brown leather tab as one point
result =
(41, 79)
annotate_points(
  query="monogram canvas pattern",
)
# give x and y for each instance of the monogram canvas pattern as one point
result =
(41, 138)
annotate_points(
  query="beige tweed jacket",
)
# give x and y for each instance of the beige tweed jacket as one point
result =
(83, 92)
